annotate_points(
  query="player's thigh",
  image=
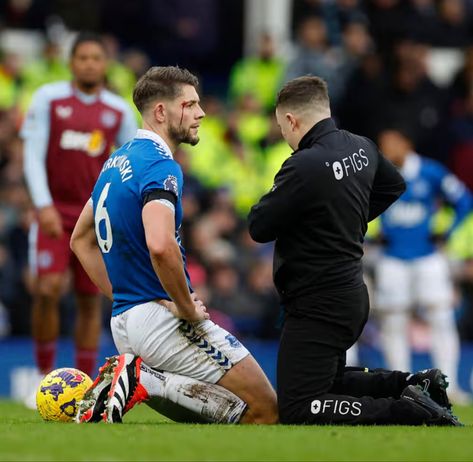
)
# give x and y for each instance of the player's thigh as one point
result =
(306, 368)
(49, 259)
(433, 281)
(393, 284)
(46, 254)
(119, 333)
(202, 350)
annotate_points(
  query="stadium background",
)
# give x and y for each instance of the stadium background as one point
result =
(408, 62)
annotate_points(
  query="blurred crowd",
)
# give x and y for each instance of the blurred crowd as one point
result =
(378, 58)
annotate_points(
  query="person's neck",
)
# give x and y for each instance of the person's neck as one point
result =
(86, 89)
(162, 133)
(307, 126)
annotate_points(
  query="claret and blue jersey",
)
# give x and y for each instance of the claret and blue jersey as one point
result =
(143, 165)
(406, 225)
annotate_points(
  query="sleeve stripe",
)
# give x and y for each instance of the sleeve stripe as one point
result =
(166, 203)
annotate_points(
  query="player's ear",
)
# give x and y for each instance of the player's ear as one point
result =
(291, 120)
(159, 112)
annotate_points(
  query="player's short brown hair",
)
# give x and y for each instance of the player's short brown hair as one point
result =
(161, 82)
(304, 93)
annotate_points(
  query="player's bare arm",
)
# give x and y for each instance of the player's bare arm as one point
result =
(84, 245)
(158, 222)
(50, 221)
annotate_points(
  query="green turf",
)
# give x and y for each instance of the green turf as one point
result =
(146, 436)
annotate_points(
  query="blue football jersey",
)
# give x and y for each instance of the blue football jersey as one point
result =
(406, 225)
(138, 167)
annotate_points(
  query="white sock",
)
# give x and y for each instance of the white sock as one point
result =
(395, 340)
(185, 399)
(445, 342)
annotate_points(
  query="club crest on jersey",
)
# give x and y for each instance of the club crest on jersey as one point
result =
(64, 112)
(170, 184)
(233, 341)
(108, 118)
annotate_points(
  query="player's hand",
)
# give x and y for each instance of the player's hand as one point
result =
(50, 221)
(199, 313)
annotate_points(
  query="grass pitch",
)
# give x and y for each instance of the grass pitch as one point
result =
(145, 435)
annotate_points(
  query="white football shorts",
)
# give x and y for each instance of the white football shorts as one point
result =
(401, 284)
(201, 350)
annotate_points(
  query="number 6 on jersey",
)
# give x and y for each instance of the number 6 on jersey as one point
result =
(101, 213)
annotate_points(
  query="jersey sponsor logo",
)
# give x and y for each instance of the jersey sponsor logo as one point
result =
(108, 118)
(92, 143)
(64, 112)
(335, 406)
(170, 184)
(353, 163)
(406, 214)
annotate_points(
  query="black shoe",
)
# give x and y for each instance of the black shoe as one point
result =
(434, 382)
(438, 415)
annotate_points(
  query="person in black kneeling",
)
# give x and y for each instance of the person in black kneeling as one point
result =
(317, 211)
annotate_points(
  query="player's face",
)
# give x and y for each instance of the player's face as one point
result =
(89, 65)
(394, 147)
(185, 115)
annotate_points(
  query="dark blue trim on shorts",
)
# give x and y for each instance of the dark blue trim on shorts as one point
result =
(189, 332)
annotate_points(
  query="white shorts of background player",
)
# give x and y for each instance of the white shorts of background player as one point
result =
(400, 286)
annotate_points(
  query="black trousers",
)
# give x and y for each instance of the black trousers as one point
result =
(315, 387)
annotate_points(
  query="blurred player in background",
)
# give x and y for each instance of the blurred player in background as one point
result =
(68, 133)
(412, 269)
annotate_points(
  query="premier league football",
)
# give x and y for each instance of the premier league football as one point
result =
(59, 394)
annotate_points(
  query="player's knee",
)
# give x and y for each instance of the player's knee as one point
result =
(264, 412)
(50, 286)
(262, 416)
(89, 306)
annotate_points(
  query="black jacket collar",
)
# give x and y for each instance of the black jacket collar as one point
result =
(317, 131)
